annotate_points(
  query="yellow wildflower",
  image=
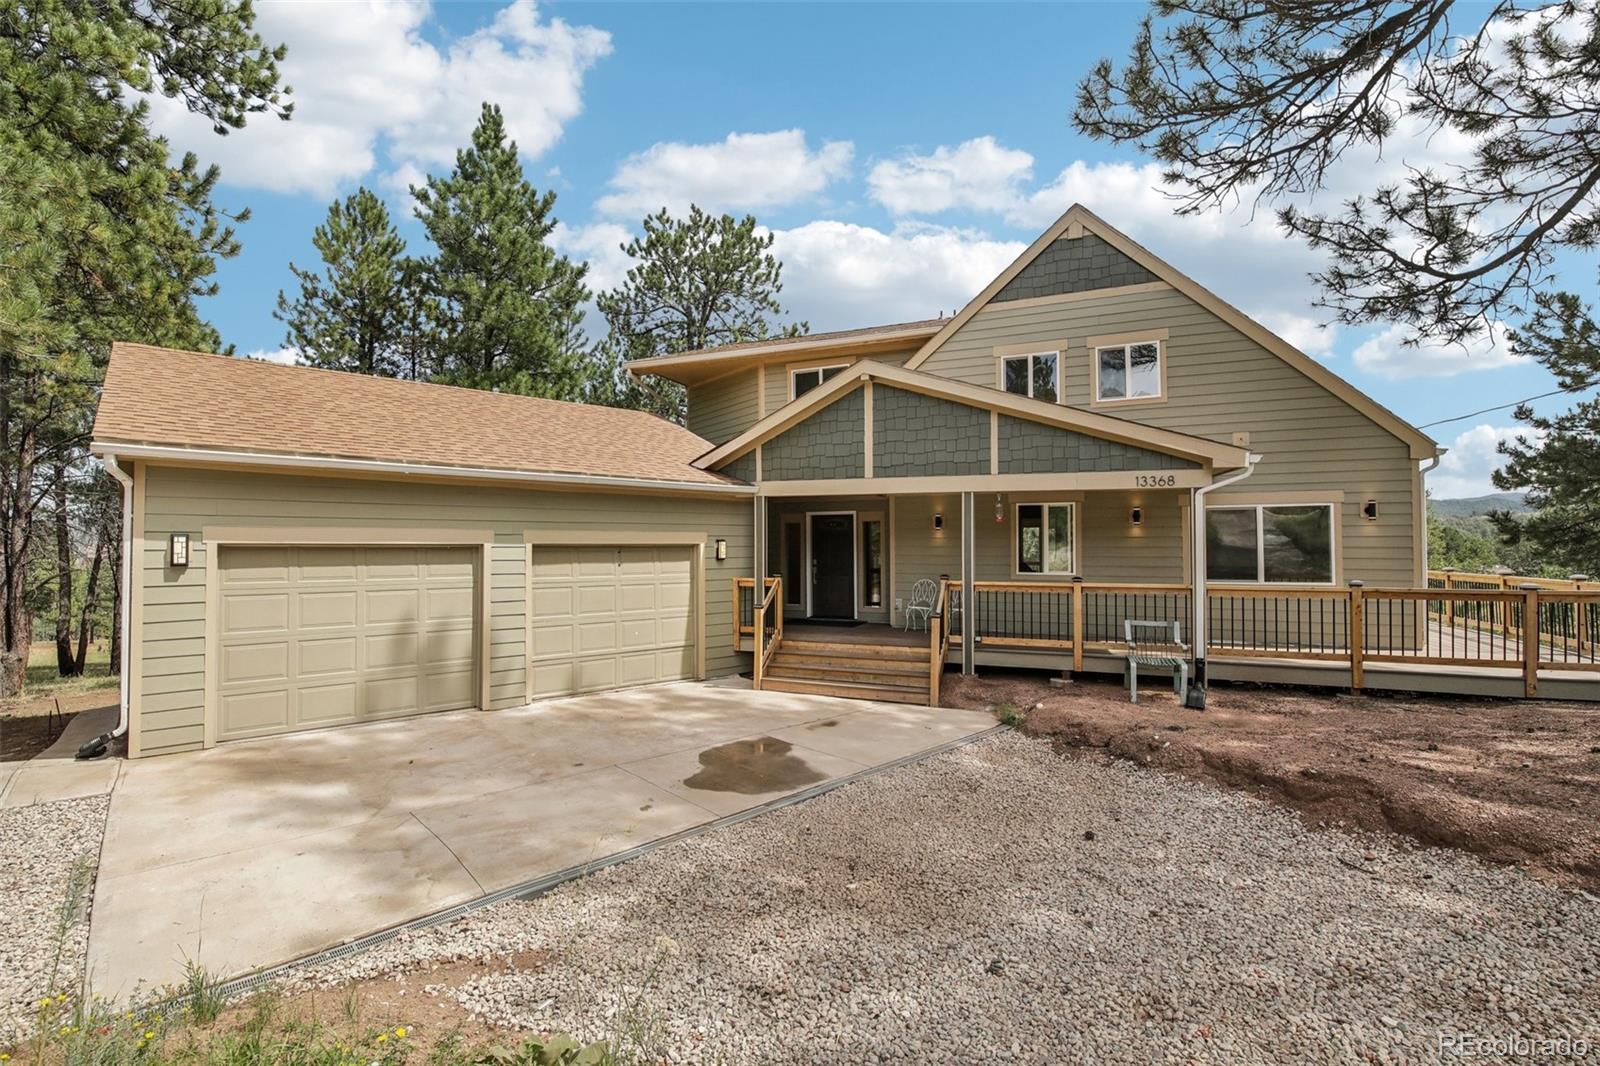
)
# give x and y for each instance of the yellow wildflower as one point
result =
(149, 1034)
(382, 1037)
(401, 1033)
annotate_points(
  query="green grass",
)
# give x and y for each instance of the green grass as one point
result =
(42, 683)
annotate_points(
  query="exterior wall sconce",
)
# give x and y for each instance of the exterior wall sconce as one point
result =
(178, 549)
(938, 521)
(722, 550)
(1136, 517)
(999, 510)
(1369, 510)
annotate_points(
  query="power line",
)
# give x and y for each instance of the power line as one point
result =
(1514, 403)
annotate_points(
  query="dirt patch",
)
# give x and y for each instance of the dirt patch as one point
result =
(24, 737)
(1513, 782)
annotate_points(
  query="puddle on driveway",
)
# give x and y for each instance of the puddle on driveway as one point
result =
(751, 767)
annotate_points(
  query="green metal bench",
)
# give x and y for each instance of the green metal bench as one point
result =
(1169, 654)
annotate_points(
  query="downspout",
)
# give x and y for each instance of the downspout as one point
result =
(1422, 505)
(1197, 691)
(95, 748)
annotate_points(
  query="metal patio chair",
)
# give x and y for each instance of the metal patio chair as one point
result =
(1156, 654)
(920, 605)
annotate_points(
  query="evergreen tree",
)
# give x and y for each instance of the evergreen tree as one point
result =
(697, 282)
(355, 318)
(102, 234)
(1559, 462)
(504, 307)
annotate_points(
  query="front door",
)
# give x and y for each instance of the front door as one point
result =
(833, 565)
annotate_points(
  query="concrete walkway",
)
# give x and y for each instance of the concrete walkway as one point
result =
(252, 854)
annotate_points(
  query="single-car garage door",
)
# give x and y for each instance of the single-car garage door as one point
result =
(314, 637)
(611, 617)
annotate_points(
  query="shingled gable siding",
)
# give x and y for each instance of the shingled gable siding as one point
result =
(776, 375)
(914, 435)
(1078, 265)
(830, 443)
(1034, 448)
(743, 468)
(172, 637)
(1219, 382)
(720, 410)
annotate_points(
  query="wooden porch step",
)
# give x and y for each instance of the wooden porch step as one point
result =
(848, 690)
(908, 675)
(836, 649)
(830, 661)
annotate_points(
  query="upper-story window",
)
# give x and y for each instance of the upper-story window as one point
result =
(803, 381)
(1128, 371)
(1037, 375)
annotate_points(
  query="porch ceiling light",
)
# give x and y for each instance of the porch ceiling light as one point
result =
(1369, 510)
(178, 549)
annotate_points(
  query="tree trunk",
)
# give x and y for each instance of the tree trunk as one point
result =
(66, 664)
(16, 512)
(91, 600)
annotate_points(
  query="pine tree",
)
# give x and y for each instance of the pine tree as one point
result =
(355, 318)
(504, 306)
(697, 282)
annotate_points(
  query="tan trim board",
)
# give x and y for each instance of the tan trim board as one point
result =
(1419, 529)
(780, 349)
(994, 442)
(135, 636)
(984, 483)
(1079, 219)
(1135, 336)
(314, 536)
(1091, 422)
(1090, 294)
(399, 471)
(485, 577)
(866, 428)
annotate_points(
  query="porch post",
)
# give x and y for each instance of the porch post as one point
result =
(969, 603)
(759, 540)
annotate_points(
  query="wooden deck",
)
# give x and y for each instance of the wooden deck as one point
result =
(866, 633)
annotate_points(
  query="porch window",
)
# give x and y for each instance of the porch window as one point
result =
(872, 563)
(1034, 375)
(1044, 538)
(1128, 371)
(803, 381)
(1270, 543)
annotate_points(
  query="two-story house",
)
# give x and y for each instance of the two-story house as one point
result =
(309, 549)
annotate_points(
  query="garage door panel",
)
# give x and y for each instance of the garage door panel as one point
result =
(328, 704)
(358, 633)
(256, 612)
(254, 713)
(609, 617)
(250, 663)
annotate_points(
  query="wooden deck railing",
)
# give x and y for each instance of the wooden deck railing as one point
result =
(744, 608)
(1524, 629)
(768, 627)
(938, 641)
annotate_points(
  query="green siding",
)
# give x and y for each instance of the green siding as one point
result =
(1074, 265)
(830, 443)
(172, 638)
(1219, 382)
(775, 376)
(720, 410)
(743, 468)
(925, 436)
(1034, 448)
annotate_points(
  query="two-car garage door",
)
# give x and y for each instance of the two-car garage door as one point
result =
(314, 637)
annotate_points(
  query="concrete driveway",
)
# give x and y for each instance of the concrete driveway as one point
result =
(252, 854)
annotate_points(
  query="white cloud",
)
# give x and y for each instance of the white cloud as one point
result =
(1387, 356)
(742, 172)
(838, 274)
(599, 245)
(282, 356)
(1473, 456)
(1311, 335)
(365, 78)
(981, 174)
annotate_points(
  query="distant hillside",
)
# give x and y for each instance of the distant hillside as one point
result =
(1479, 505)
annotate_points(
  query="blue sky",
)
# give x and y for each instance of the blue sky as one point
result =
(901, 153)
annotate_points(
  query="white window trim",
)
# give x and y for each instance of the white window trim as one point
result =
(1161, 370)
(795, 372)
(1016, 548)
(1333, 510)
(1031, 356)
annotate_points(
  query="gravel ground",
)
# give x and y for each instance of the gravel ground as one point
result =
(999, 903)
(42, 845)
